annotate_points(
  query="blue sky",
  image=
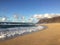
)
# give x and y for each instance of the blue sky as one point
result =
(28, 7)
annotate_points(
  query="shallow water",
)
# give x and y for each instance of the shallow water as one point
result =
(7, 33)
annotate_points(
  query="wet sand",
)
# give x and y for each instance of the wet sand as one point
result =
(49, 36)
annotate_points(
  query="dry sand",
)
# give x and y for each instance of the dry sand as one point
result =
(49, 36)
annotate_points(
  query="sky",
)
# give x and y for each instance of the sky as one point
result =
(28, 8)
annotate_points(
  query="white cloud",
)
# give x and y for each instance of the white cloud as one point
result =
(38, 16)
(3, 19)
(46, 15)
(30, 20)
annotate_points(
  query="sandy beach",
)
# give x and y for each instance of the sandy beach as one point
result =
(49, 36)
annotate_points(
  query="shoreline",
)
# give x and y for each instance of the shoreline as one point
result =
(49, 36)
(25, 33)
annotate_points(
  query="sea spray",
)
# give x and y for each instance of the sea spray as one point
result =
(14, 32)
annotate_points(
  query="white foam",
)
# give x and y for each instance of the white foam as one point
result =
(19, 31)
(2, 36)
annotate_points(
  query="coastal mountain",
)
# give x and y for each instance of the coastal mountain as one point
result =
(50, 20)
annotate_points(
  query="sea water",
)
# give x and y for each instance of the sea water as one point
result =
(7, 33)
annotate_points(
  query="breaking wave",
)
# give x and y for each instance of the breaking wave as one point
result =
(14, 32)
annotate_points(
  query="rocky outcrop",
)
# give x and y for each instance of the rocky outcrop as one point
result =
(50, 20)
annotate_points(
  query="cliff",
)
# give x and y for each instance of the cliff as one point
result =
(50, 20)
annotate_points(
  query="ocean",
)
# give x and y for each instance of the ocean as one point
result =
(8, 33)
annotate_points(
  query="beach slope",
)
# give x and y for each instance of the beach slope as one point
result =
(49, 36)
